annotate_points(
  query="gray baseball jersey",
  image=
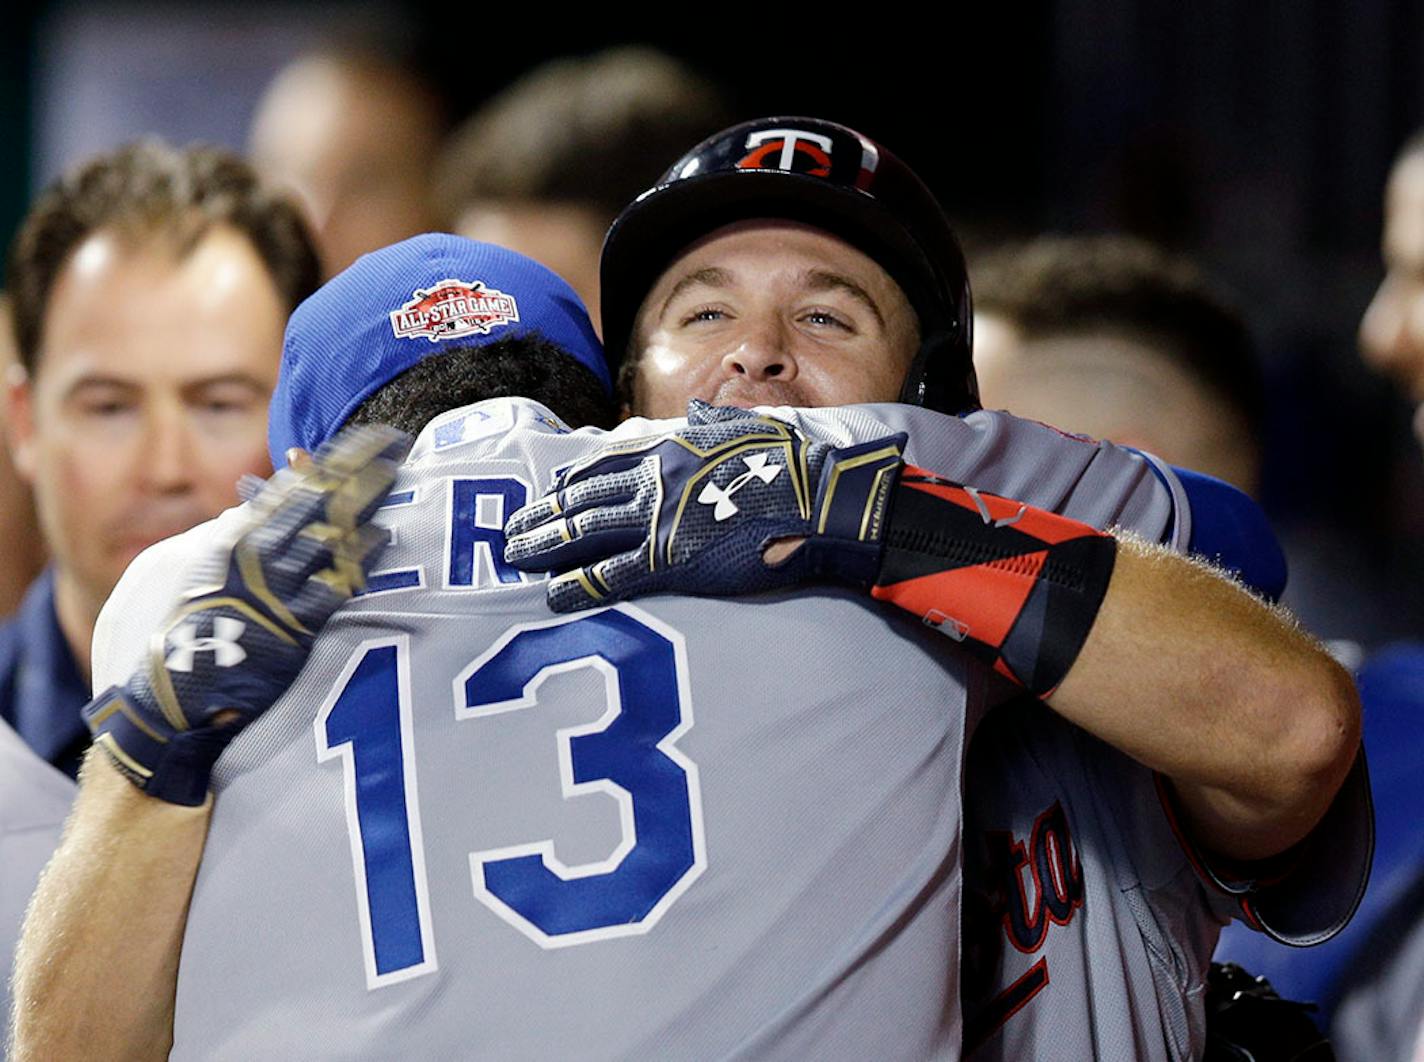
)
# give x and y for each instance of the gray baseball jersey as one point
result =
(34, 801)
(685, 828)
(1089, 917)
(1087, 932)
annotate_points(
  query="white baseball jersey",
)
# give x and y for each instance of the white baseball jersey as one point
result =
(35, 799)
(681, 828)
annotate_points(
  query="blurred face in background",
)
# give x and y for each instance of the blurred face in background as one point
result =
(1113, 385)
(566, 237)
(1392, 330)
(23, 553)
(354, 140)
(148, 399)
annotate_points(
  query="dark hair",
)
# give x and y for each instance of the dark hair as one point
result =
(525, 366)
(1065, 284)
(149, 190)
(591, 131)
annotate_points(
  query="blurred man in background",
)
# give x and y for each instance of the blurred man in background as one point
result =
(1369, 981)
(149, 290)
(1113, 338)
(353, 133)
(545, 166)
(1380, 987)
(23, 555)
(1392, 330)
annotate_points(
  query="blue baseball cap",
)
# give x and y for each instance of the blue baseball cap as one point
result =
(395, 307)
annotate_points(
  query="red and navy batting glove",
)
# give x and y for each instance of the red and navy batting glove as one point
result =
(241, 633)
(692, 511)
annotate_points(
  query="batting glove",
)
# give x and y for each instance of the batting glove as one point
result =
(240, 636)
(693, 511)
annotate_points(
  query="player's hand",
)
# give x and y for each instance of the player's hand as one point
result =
(694, 512)
(241, 632)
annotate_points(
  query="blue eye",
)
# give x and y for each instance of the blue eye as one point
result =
(826, 319)
(705, 313)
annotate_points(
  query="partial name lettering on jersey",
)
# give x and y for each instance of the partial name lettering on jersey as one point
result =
(471, 556)
(472, 510)
(1028, 885)
(1087, 933)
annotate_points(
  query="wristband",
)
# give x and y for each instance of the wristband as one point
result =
(1018, 587)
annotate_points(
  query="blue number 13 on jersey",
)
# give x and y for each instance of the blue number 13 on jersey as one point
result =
(628, 753)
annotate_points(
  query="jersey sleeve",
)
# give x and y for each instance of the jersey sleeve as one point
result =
(1227, 528)
(1096, 482)
(1308, 894)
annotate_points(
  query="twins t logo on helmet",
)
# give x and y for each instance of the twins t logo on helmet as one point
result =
(223, 644)
(453, 308)
(786, 144)
(721, 497)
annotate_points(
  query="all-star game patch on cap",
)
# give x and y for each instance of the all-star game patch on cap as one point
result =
(402, 304)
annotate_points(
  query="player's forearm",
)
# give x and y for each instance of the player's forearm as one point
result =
(1253, 722)
(1164, 658)
(97, 963)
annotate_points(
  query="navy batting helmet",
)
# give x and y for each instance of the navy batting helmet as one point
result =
(818, 173)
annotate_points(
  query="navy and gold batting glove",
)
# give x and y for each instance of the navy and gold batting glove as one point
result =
(241, 633)
(693, 511)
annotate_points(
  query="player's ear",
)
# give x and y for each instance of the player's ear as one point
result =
(19, 420)
(298, 459)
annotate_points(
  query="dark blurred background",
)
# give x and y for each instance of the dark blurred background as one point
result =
(1256, 137)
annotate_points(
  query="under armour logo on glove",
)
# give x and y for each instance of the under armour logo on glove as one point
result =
(304, 551)
(622, 524)
(721, 497)
(223, 644)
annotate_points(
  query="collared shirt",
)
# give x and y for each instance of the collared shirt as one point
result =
(41, 688)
